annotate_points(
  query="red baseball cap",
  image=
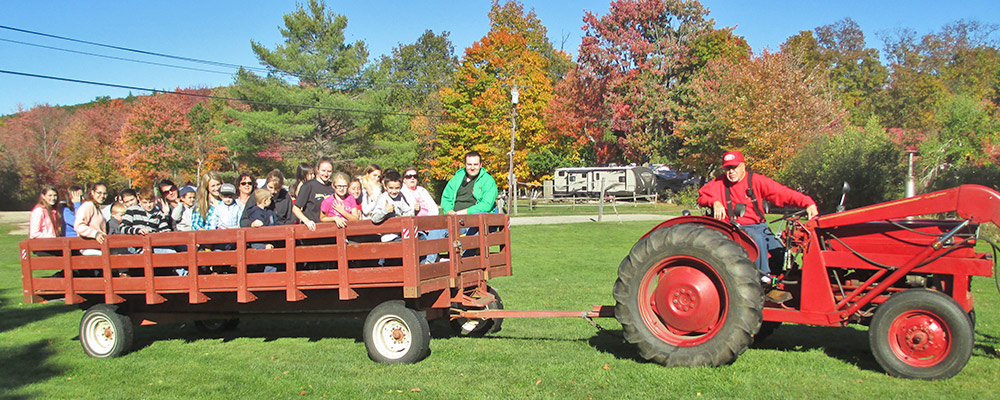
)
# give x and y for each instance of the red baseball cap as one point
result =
(732, 159)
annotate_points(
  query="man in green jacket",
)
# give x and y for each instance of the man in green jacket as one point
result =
(471, 190)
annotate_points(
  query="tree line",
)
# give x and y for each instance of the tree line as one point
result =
(654, 81)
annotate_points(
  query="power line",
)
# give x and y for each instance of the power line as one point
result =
(151, 53)
(206, 96)
(113, 57)
(348, 81)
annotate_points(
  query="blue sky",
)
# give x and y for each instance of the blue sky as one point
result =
(222, 30)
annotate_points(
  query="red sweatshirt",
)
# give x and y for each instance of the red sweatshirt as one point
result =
(764, 188)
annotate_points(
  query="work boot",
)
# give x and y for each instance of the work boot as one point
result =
(778, 296)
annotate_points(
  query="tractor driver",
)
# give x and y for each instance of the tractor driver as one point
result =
(739, 185)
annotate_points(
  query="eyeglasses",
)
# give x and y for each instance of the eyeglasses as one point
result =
(340, 186)
(410, 176)
(247, 183)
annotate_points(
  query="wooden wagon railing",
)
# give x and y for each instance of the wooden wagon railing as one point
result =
(345, 259)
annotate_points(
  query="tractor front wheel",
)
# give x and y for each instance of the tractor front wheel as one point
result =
(687, 295)
(921, 334)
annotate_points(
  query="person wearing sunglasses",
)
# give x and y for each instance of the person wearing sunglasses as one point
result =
(424, 203)
(245, 186)
(168, 200)
(419, 196)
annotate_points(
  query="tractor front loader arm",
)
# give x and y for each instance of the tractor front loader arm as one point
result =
(975, 203)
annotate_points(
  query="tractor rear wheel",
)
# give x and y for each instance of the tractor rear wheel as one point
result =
(688, 295)
(921, 334)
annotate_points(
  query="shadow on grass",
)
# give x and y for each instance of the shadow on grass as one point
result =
(24, 365)
(845, 344)
(988, 344)
(267, 329)
(13, 316)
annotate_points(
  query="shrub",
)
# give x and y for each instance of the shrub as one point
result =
(865, 158)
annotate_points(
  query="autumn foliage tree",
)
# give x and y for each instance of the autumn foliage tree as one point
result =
(941, 95)
(35, 141)
(767, 107)
(627, 91)
(479, 107)
(93, 138)
(854, 70)
(158, 140)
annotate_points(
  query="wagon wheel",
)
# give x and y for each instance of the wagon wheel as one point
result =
(105, 333)
(921, 334)
(688, 296)
(480, 327)
(395, 334)
(216, 325)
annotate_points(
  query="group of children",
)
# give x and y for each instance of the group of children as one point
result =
(370, 196)
(350, 200)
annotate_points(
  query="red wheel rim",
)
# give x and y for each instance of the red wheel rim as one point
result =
(682, 301)
(920, 338)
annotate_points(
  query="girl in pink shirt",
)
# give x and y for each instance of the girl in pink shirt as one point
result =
(341, 207)
(44, 221)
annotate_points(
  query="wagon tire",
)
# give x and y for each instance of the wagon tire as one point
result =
(216, 325)
(687, 295)
(104, 333)
(921, 334)
(396, 334)
(480, 327)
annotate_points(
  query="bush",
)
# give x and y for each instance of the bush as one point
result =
(686, 197)
(865, 158)
(986, 175)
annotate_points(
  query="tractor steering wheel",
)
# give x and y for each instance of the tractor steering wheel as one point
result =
(794, 215)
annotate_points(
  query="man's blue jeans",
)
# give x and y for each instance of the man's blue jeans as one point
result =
(765, 241)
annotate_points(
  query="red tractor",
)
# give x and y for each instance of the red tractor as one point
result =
(688, 293)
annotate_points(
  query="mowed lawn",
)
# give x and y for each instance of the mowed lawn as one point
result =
(560, 267)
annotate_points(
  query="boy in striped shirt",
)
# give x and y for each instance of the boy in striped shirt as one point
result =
(145, 218)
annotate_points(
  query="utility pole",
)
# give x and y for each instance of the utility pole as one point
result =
(511, 179)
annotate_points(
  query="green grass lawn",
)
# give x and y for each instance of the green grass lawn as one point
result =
(561, 267)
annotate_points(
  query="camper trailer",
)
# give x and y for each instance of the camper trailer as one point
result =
(617, 181)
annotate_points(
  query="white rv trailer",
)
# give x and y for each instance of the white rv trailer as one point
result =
(618, 181)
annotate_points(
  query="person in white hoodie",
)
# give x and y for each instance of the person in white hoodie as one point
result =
(392, 203)
(424, 204)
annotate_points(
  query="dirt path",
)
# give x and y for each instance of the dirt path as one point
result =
(569, 219)
(17, 218)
